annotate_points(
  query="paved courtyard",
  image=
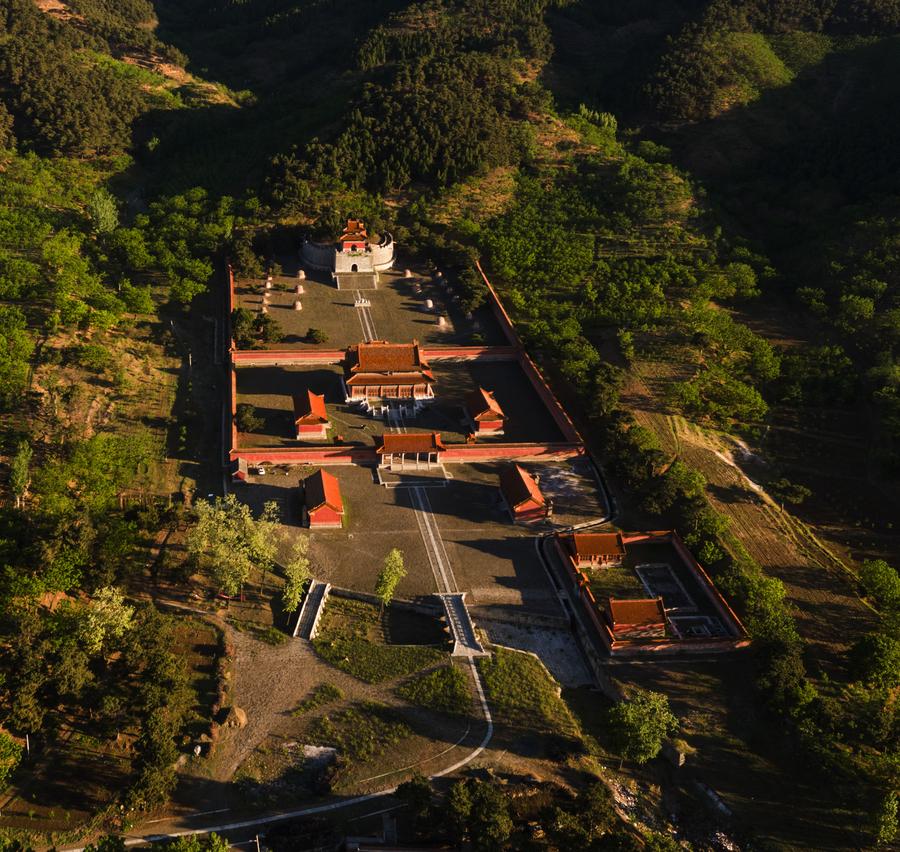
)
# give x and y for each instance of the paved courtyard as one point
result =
(397, 312)
(270, 391)
(491, 559)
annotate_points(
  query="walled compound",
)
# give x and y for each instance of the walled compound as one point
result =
(461, 422)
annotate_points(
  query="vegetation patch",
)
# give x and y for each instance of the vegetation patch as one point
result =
(324, 693)
(522, 693)
(264, 632)
(445, 689)
(354, 636)
(375, 663)
(360, 733)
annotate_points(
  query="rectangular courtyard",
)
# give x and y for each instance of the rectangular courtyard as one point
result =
(493, 560)
(397, 311)
(270, 391)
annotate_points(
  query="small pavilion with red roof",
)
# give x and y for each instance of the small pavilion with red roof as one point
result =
(322, 501)
(485, 413)
(523, 497)
(310, 416)
(421, 449)
(638, 618)
(594, 550)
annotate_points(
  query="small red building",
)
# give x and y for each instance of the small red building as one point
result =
(642, 618)
(380, 370)
(523, 498)
(594, 550)
(485, 413)
(422, 449)
(310, 416)
(239, 471)
(322, 502)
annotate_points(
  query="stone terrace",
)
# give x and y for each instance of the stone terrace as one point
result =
(397, 312)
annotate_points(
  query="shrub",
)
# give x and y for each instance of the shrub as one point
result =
(247, 418)
(316, 335)
(640, 724)
(93, 356)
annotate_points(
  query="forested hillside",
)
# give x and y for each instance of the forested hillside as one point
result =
(691, 209)
(86, 396)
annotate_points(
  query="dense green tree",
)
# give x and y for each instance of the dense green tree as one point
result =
(417, 796)
(882, 582)
(107, 843)
(243, 326)
(104, 211)
(247, 419)
(886, 819)
(229, 542)
(16, 347)
(19, 470)
(105, 619)
(392, 572)
(10, 755)
(640, 724)
(876, 660)
(297, 573)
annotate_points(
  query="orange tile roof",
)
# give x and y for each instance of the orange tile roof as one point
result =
(598, 544)
(519, 486)
(482, 406)
(322, 489)
(636, 612)
(310, 408)
(379, 356)
(390, 379)
(370, 363)
(415, 442)
(355, 230)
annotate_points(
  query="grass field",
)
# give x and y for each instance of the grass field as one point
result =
(360, 733)
(446, 689)
(532, 719)
(323, 694)
(353, 637)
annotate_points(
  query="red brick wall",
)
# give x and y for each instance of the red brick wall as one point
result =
(487, 452)
(366, 455)
(470, 353)
(306, 455)
(248, 357)
(563, 421)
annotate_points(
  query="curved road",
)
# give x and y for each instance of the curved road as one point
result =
(226, 827)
